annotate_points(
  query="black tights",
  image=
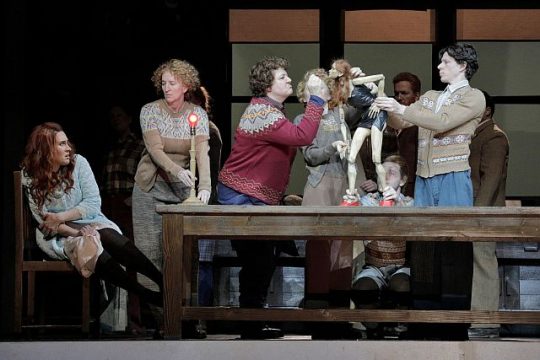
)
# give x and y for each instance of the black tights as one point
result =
(120, 250)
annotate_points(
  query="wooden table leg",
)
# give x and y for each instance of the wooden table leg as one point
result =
(173, 279)
(187, 271)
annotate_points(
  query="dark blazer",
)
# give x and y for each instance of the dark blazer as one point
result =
(489, 163)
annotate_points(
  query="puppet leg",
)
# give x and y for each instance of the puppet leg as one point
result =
(356, 143)
(376, 149)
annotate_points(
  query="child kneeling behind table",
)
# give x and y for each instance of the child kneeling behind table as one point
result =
(384, 279)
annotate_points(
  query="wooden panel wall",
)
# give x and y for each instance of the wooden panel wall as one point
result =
(498, 24)
(389, 25)
(274, 25)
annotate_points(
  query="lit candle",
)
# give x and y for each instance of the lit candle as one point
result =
(193, 120)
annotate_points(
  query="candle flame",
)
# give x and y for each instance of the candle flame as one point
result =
(193, 120)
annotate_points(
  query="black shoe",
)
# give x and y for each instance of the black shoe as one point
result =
(252, 333)
(375, 334)
(334, 331)
(441, 332)
(196, 334)
(193, 330)
(158, 335)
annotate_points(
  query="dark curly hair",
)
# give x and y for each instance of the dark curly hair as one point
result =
(463, 54)
(416, 85)
(261, 77)
(37, 163)
(489, 102)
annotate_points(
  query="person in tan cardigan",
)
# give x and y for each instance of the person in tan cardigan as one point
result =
(446, 120)
(441, 274)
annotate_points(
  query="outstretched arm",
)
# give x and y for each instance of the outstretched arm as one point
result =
(395, 112)
(379, 79)
(367, 79)
(465, 109)
(396, 121)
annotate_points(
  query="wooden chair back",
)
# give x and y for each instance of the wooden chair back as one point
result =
(27, 265)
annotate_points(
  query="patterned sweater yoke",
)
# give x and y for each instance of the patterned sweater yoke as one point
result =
(444, 136)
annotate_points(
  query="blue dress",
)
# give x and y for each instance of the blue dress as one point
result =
(84, 196)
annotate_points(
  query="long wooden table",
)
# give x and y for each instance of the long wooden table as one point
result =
(183, 224)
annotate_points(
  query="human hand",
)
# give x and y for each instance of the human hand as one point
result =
(389, 104)
(333, 73)
(373, 111)
(318, 88)
(356, 72)
(186, 177)
(50, 224)
(368, 186)
(340, 147)
(389, 193)
(88, 230)
(204, 196)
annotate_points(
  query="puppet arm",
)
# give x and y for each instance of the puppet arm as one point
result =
(379, 80)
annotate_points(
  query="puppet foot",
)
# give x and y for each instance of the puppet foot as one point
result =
(351, 198)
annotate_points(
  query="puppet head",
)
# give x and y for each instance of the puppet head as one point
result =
(341, 87)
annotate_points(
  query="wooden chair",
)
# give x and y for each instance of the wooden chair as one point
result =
(24, 236)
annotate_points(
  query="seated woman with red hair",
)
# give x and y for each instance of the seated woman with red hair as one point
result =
(64, 199)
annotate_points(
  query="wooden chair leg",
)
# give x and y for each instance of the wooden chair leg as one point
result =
(85, 311)
(18, 303)
(18, 253)
(30, 296)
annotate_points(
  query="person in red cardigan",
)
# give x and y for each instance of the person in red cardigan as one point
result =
(258, 168)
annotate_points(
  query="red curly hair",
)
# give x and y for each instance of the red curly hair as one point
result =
(37, 163)
(341, 87)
